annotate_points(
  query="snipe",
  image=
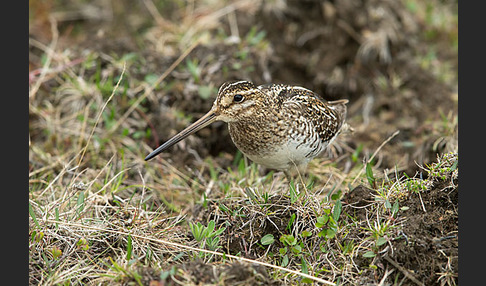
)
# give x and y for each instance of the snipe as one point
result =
(281, 127)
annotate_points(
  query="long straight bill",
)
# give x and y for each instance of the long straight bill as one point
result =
(204, 121)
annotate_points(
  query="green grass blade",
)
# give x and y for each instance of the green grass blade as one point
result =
(370, 176)
(337, 210)
(80, 203)
(129, 248)
(32, 214)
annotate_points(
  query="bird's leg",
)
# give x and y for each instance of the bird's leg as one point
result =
(297, 174)
(288, 176)
(301, 173)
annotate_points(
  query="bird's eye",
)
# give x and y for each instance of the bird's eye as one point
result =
(238, 98)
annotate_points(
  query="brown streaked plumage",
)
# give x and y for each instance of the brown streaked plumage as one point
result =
(278, 126)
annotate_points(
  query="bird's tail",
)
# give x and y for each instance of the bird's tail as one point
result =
(340, 107)
(337, 102)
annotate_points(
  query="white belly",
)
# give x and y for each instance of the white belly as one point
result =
(293, 154)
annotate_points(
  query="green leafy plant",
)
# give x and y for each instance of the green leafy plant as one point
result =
(56, 252)
(291, 247)
(207, 236)
(378, 231)
(328, 222)
(82, 244)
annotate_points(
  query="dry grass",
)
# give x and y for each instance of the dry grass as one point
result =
(99, 214)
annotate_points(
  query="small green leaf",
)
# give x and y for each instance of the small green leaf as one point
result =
(330, 233)
(369, 175)
(321, 221)
(354, 156)
(267, 239)
(242, 166)
(82, 244)
(306, 233)
(395, 207)
(33, 236)
(38, 236)
(32, 214)
(304, 267)
(322, 233)
(258, 37)
(80, 203)
(223, 208)
(307, 280)
(337, 210)
(56, 214)
(288, 239)
(218, 232)
(291, 222)
(210, 228)
(56, 252)
(285, 260)
(454, 166)
(380, 241)
(297, 249)
(197, 231)
(369, 254)
(212, 243)
(205, 201)
(148, 133)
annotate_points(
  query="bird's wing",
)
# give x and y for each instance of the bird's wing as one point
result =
(327, 117)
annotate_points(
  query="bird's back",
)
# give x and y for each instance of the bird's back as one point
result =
(324, 117)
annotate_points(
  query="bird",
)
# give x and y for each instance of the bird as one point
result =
(279, 126)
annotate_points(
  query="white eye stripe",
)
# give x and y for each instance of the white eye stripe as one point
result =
(238, 82)
(245, 92)
(231, 85)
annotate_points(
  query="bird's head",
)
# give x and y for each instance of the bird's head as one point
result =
(235, 100)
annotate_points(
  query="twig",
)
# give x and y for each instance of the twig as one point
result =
(100, 113)
(387, 273)
(404, 271)
(179, 246)
(422, 202)
(374, 154)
